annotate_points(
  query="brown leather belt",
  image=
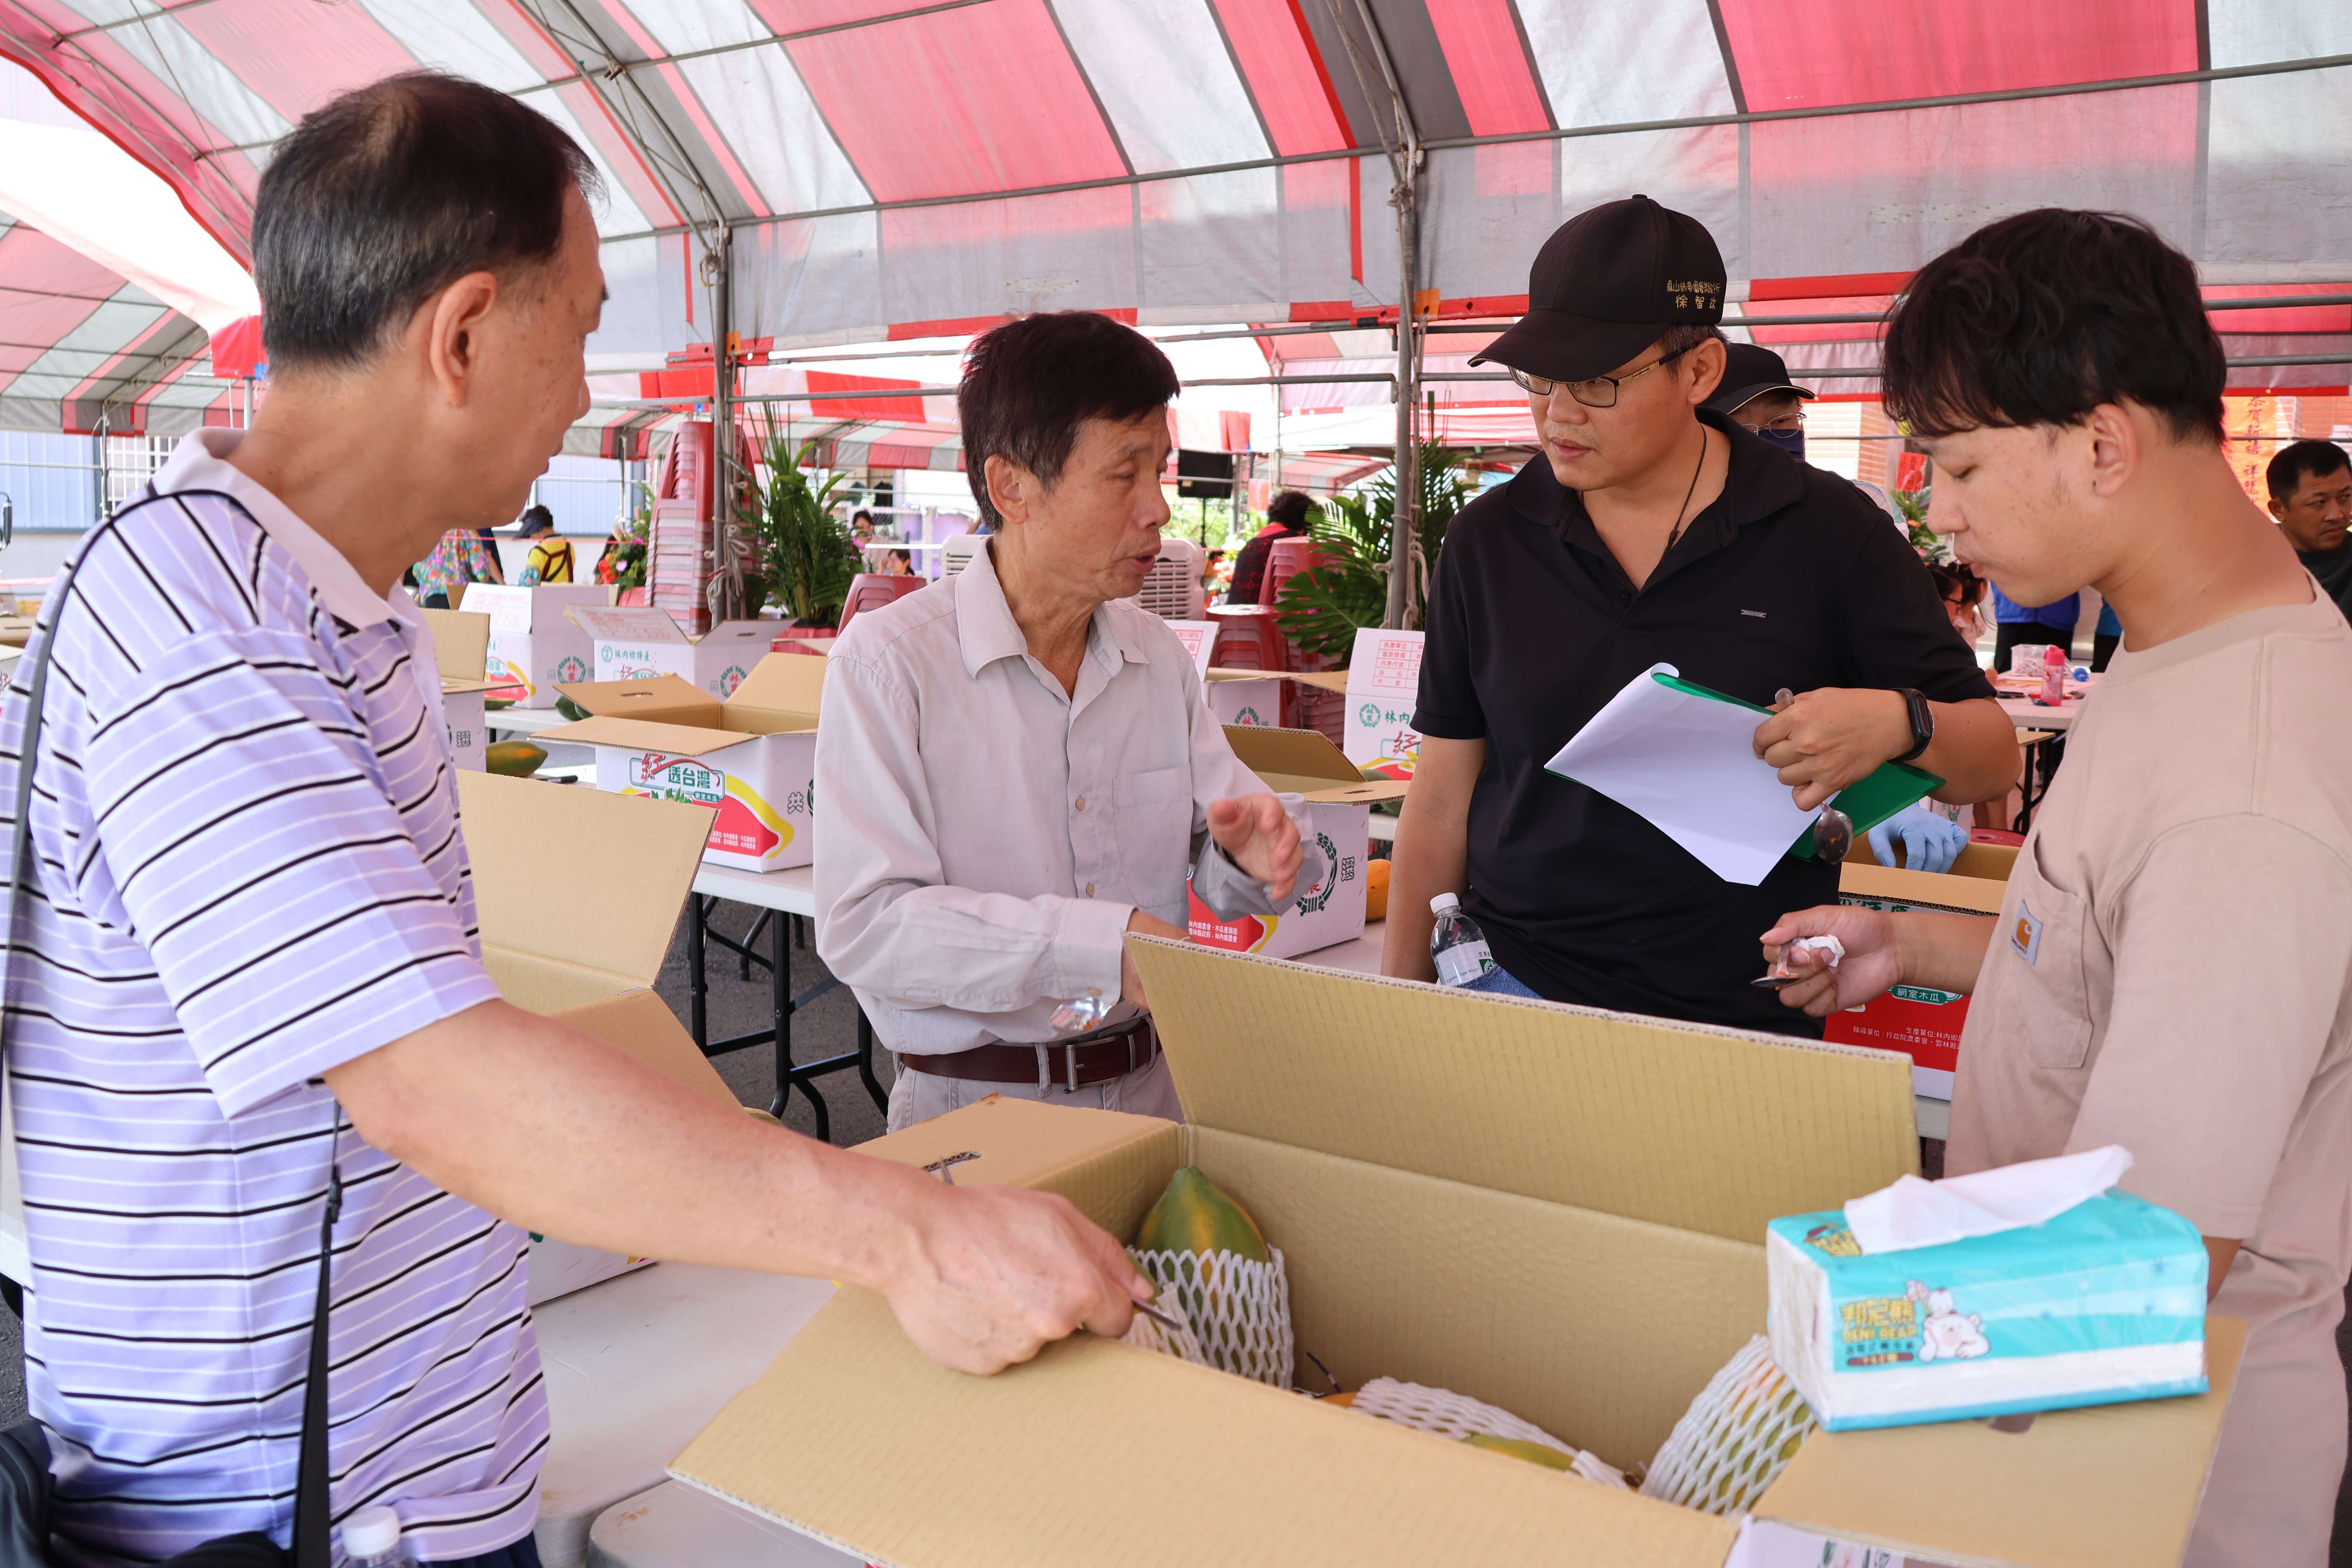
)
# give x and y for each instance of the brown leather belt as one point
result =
(1098, 1058)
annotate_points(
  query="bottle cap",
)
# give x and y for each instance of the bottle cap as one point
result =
(371, 1532)
(1443, 902)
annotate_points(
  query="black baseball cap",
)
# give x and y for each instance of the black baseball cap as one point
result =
(1751, 370)
(1606, 285)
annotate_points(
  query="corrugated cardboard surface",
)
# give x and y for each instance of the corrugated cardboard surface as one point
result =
(1503, 1298)
(1099, 1453)
(1112, 1165)
(2113, 1487)
(1885, 884)
(1987, 862)
(645, 734)
(560, 925)
(659, 698)
(461, 642)
(1321, 680)
(1708, 1130)
(1305, 762)
(640, 1023)
(782, 683)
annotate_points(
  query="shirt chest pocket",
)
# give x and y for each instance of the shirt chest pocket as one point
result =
(1155, 831)
(2042, 939)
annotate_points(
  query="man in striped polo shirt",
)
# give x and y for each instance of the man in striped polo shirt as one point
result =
(251, 952)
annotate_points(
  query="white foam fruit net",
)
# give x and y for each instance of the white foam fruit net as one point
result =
(1236, 1309)
(1457, 1416)
(1746, 1424)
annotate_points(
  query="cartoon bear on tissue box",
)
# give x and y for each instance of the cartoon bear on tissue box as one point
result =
(2103, 1303)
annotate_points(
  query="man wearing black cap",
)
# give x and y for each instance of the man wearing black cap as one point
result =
(1655, 530)
(1756, 395)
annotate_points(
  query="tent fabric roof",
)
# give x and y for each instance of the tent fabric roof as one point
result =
(894, 169)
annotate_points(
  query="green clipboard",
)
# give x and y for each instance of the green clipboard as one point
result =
(1886, 791)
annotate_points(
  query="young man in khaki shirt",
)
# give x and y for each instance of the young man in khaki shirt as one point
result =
(2169, 969)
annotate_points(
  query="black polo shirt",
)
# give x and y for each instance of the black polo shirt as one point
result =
(1792, 578)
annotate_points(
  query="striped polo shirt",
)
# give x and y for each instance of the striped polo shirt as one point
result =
(250, 873)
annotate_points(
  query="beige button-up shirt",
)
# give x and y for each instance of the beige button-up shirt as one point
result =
(985, 834)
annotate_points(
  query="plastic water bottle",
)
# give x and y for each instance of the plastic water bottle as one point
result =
(371, 1540)
(1457, 944)
(2054, 675)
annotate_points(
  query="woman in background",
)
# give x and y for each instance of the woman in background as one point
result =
(460, 558)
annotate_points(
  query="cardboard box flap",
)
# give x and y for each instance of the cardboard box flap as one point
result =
(645, 735)
(663, 698)
(1144, 1459)
(1967, 895)
(1111, 1164)
(760, 633)
(784, 685)
(1989, 861)
(461, 643)
(640, 1023)
(630, 623)
(2116, 1486)
(563, 926)
(1716, 1130)
(1322, 679)
(1305, 762)
(452, 687)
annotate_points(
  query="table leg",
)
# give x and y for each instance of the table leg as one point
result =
(780, 981)
(743, 956)
(698, 984)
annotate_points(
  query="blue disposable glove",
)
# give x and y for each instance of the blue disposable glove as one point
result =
(1931, 841)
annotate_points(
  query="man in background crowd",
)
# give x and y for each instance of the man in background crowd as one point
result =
(1653, 529)
(2023, 625)
(550, 558)
(1758, 396)
(2311, 495)
(1288, 516)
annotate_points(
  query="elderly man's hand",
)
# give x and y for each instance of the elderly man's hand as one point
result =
(1826, 740)
(1258, 836)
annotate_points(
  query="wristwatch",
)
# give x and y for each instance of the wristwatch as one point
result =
(1923, 722)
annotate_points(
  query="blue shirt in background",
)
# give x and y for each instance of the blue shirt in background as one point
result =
(2063, 614)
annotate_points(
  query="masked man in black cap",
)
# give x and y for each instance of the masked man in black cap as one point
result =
(1656, 530)
(1756, 395)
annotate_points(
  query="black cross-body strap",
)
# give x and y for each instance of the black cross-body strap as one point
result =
(311, 1509)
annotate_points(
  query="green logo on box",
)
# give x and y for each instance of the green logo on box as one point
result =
(1927, 993)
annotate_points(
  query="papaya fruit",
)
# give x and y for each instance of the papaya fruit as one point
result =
(1519, 1448)
(1195, 1216)
(515, 759)
(1376, 889)
(568, 708)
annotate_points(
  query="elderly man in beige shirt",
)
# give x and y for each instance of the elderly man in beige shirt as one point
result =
(1017, 764)
(2172, 967)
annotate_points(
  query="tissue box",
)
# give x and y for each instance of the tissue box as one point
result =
(2105, 1303)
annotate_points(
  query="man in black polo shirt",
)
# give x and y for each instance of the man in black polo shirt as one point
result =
(1651, 530)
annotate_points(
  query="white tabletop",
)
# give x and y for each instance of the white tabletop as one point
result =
(793, 892)
(2023, 711)
(522, 721)
(636, 1367)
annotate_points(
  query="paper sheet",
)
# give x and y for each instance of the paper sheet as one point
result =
(1688, 765)
(1914, 1213)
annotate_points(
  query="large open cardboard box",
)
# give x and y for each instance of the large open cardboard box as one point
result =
(753, 756)
(1340, 799)
(583, 939)
(1555, 1210)
(640, 643)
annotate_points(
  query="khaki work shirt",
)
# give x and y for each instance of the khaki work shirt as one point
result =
(986, 834)
(2173, 973)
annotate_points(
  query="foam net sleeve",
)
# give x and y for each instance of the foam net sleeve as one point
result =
(1237, 1309)
(1744, 1426)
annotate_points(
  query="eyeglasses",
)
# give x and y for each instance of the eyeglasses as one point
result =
(1788, 423)
(1594, 391)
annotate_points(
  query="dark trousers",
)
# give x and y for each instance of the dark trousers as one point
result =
(2025, 634)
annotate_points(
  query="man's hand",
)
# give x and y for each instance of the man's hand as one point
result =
(1258, 836)
(1130, 982)
(997, 1273)
(1871, 963)
(1826, 740)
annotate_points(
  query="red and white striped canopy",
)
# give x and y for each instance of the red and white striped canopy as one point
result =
(888, 168)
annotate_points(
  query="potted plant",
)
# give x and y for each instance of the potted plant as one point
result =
(1321, 609)
(806, 554)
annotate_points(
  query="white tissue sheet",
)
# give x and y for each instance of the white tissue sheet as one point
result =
(2101, 1304)
(1914, 1213)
